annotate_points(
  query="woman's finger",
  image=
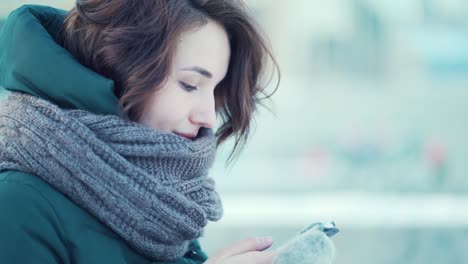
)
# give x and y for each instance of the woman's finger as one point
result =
(246, 245)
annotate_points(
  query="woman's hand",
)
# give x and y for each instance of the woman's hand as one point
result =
(247, 251)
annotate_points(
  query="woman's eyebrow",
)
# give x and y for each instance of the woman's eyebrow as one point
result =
(200, 70)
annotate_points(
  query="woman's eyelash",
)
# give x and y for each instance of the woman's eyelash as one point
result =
(188, 87)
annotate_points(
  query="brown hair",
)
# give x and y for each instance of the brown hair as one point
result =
(132, 42)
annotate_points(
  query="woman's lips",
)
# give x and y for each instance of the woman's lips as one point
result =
(187, 136)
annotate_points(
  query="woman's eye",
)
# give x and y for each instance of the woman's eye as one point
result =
(188, 87)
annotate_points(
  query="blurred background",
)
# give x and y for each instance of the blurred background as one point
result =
(368, 128)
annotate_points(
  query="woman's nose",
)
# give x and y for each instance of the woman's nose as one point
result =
(205, 115)
(206, 118)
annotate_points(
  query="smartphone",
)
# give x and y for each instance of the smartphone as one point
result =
(329, 228)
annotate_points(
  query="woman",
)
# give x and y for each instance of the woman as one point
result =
(106, 138)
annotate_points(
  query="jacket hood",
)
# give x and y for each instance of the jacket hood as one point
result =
(33, 61)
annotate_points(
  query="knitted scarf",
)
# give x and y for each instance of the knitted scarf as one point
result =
(151, 187)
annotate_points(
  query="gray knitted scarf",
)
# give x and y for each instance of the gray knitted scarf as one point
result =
(150, 187)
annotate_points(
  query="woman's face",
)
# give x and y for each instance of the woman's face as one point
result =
(186, 101)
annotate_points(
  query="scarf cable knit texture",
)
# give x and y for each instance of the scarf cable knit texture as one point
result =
(151, 187)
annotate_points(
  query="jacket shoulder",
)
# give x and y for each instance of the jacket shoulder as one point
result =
(39, 219)
(29, 222)
(24, 186)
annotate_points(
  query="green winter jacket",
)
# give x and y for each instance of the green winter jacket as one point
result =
(37, 223)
